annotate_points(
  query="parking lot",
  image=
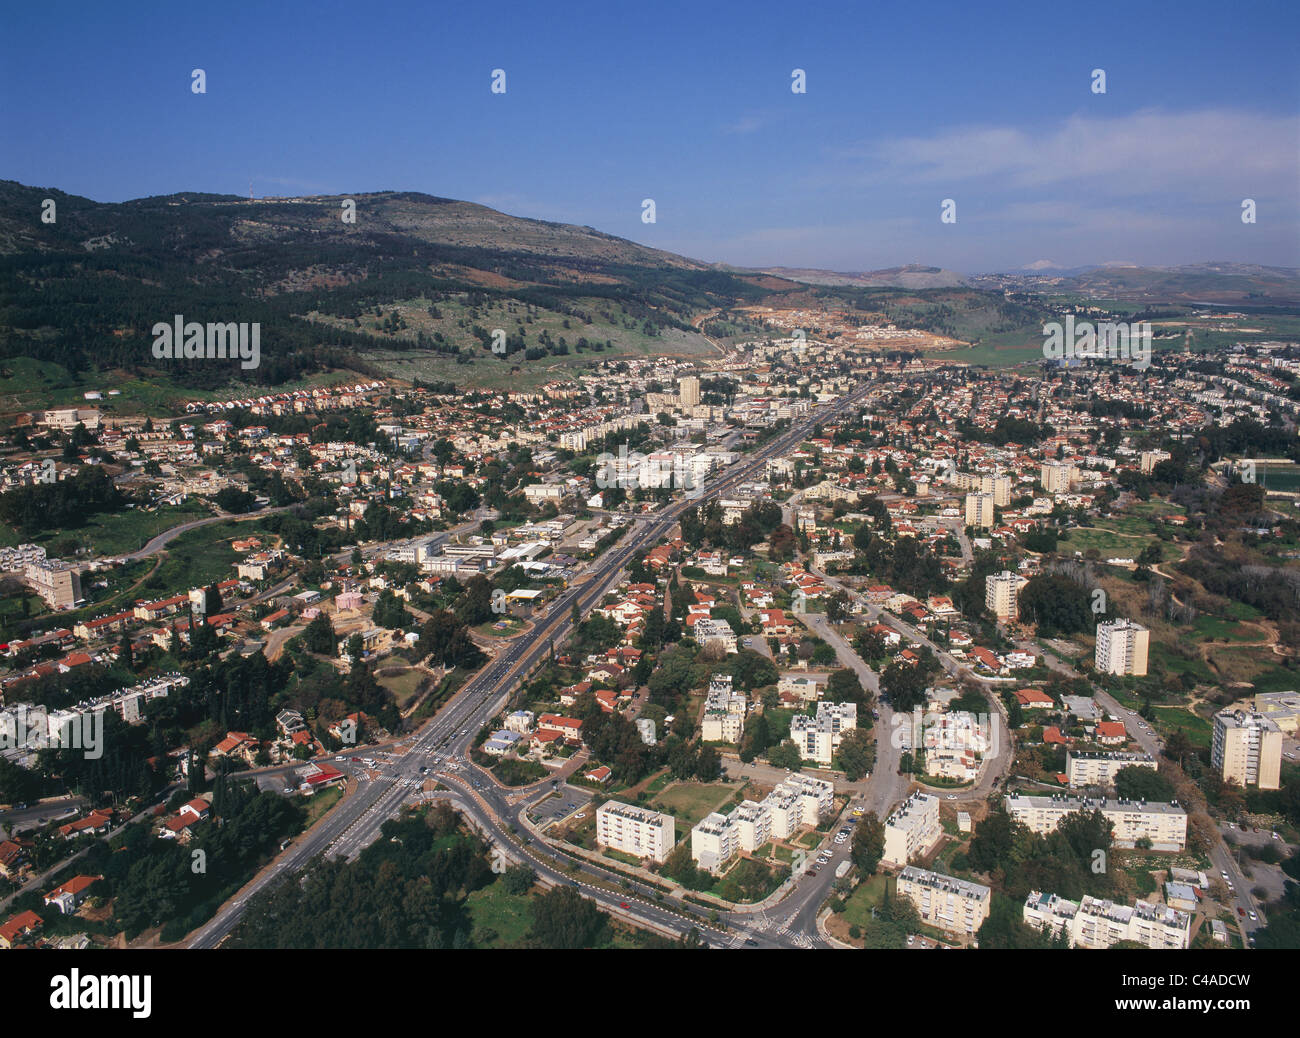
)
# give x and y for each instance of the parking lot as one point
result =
(565, 802)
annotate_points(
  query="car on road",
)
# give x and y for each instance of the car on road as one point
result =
(340, 758)
(750, 940)
(810, 872)
(952, 796)
(1241, 912)
(1224, 875)
(624, 904)
(1253, 916)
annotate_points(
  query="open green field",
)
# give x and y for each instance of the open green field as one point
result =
(500, 920)
(403, 684)
(1111, 543)
(689, 802)
(1198, 730)
(118, 533)
(27, 384)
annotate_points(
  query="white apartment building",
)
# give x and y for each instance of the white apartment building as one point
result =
(816, 796)
(635, 830)
(953, 905)
(1000, 591)
(819, 737)
(1122, 648)
(1165, 825)
(753, 824)
(714, 842)
(724, 712)
(979, 511)
(912, 830)
(1247, 749)
(689, 391)
(715, 632)
(1093, 923)
(800, 800)
(1099, 768)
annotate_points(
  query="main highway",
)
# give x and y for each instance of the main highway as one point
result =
(440, 749)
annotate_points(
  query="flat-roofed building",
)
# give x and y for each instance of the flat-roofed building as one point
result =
(753, 825)
(1099, 768)
(714, 842)
(912, 830)
(955, 906)
(1247, 749)
(1056, 476)
(979, 511)
(1164, 824)
(1094, 923)
(1000, 593)
(635, 830)
(1282, 708)
(58, 583)
(1122, 648)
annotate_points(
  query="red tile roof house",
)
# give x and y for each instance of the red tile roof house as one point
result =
(601, 775)
(18, 927)
(1053, 737)
(568, 727)
(236, 744)
(96, 822)
(70, 895)
(12, 856)
(1111, 733)
(1032, 698)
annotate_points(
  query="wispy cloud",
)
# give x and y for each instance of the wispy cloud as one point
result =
(1212, 151)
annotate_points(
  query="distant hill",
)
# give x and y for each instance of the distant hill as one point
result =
(910, 276)
(86, 290)
(1226, 284)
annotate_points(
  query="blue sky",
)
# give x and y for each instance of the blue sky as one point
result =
(690, 104)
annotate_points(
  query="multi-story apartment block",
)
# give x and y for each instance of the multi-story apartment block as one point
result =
(689, 390)
(1165, 825)
(819, 737)
(635, 830)
(1000, 591)
(1093, 923)
(979, 511)
(724, 712)
(816, 796)
(1099, 767)
(953, 905)
(1056, 476)
(1122, 648)
(753, 824)
(1282, 708)
(1247, 749)
(714, 842)
(715, 632)
(912, 830)
(58, 583)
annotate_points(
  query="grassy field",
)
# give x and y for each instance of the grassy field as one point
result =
(403, 684)
(118, 533)
(1111, 543)
(688, 802)
(26, 384)
(500, 920)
